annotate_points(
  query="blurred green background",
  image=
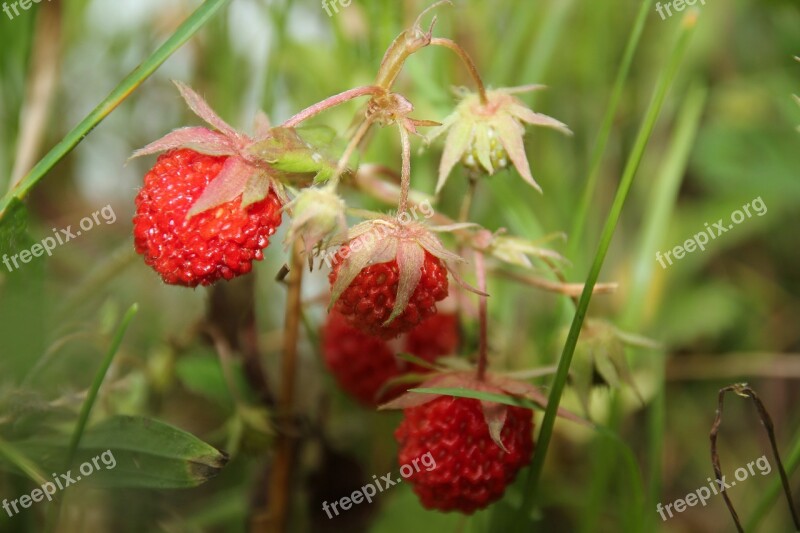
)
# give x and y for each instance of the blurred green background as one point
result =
(729, 313)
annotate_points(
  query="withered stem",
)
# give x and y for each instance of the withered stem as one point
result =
(743, 390)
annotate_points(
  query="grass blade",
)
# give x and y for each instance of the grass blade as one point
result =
(189, 27)
(16, 458)
(576, 235)
(86, 408)
(653, 111)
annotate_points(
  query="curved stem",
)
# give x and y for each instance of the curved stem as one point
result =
(330, 102)
(467, 60)
(348, 151)
(480, 271)
(405, 176)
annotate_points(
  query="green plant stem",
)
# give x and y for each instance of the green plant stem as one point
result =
(99, 377)
(576, 235)
(188, 28)
(661, 201)
(631, 167)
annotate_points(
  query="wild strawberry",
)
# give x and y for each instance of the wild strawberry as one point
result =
(210, 204)
(471, 471)
(362, 364)
(219, 243)
(368, 301)
(435, 336)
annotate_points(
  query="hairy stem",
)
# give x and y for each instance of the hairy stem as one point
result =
(467, 60)
(405, 175)
(349, 149)
(480, 271)
(330, 102)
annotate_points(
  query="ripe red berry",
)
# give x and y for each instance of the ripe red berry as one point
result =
(362, 364)
(435, 336)
(471, 470)
(221, 242)
(369, 299)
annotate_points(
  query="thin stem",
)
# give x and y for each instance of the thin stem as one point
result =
(330, 102)
(349, 149)
(466, 204)
(280, 483)
(746, 392)
(480, 272)
(99, 377)
(405, 175)
(572, 290)
(467, 60)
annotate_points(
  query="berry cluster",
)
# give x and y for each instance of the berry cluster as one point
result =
(216, 195)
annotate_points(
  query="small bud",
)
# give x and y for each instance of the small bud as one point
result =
(318, 218)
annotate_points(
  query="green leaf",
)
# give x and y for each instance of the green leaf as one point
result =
(139, 453)
(299, 150)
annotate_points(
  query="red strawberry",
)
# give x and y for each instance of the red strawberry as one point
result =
(220, 242)
(471, 471)
(435, 336)
(362, 364)
(369, 300)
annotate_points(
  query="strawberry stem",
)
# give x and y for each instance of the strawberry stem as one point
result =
(330, 102)
(348, 151)
(467, 60)
(480, 271)
(285, 445)
(405, 175)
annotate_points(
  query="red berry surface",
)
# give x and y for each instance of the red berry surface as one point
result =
(362, 363)
(368, 301)
(471, 470)
(220, 243)
(435, 336)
